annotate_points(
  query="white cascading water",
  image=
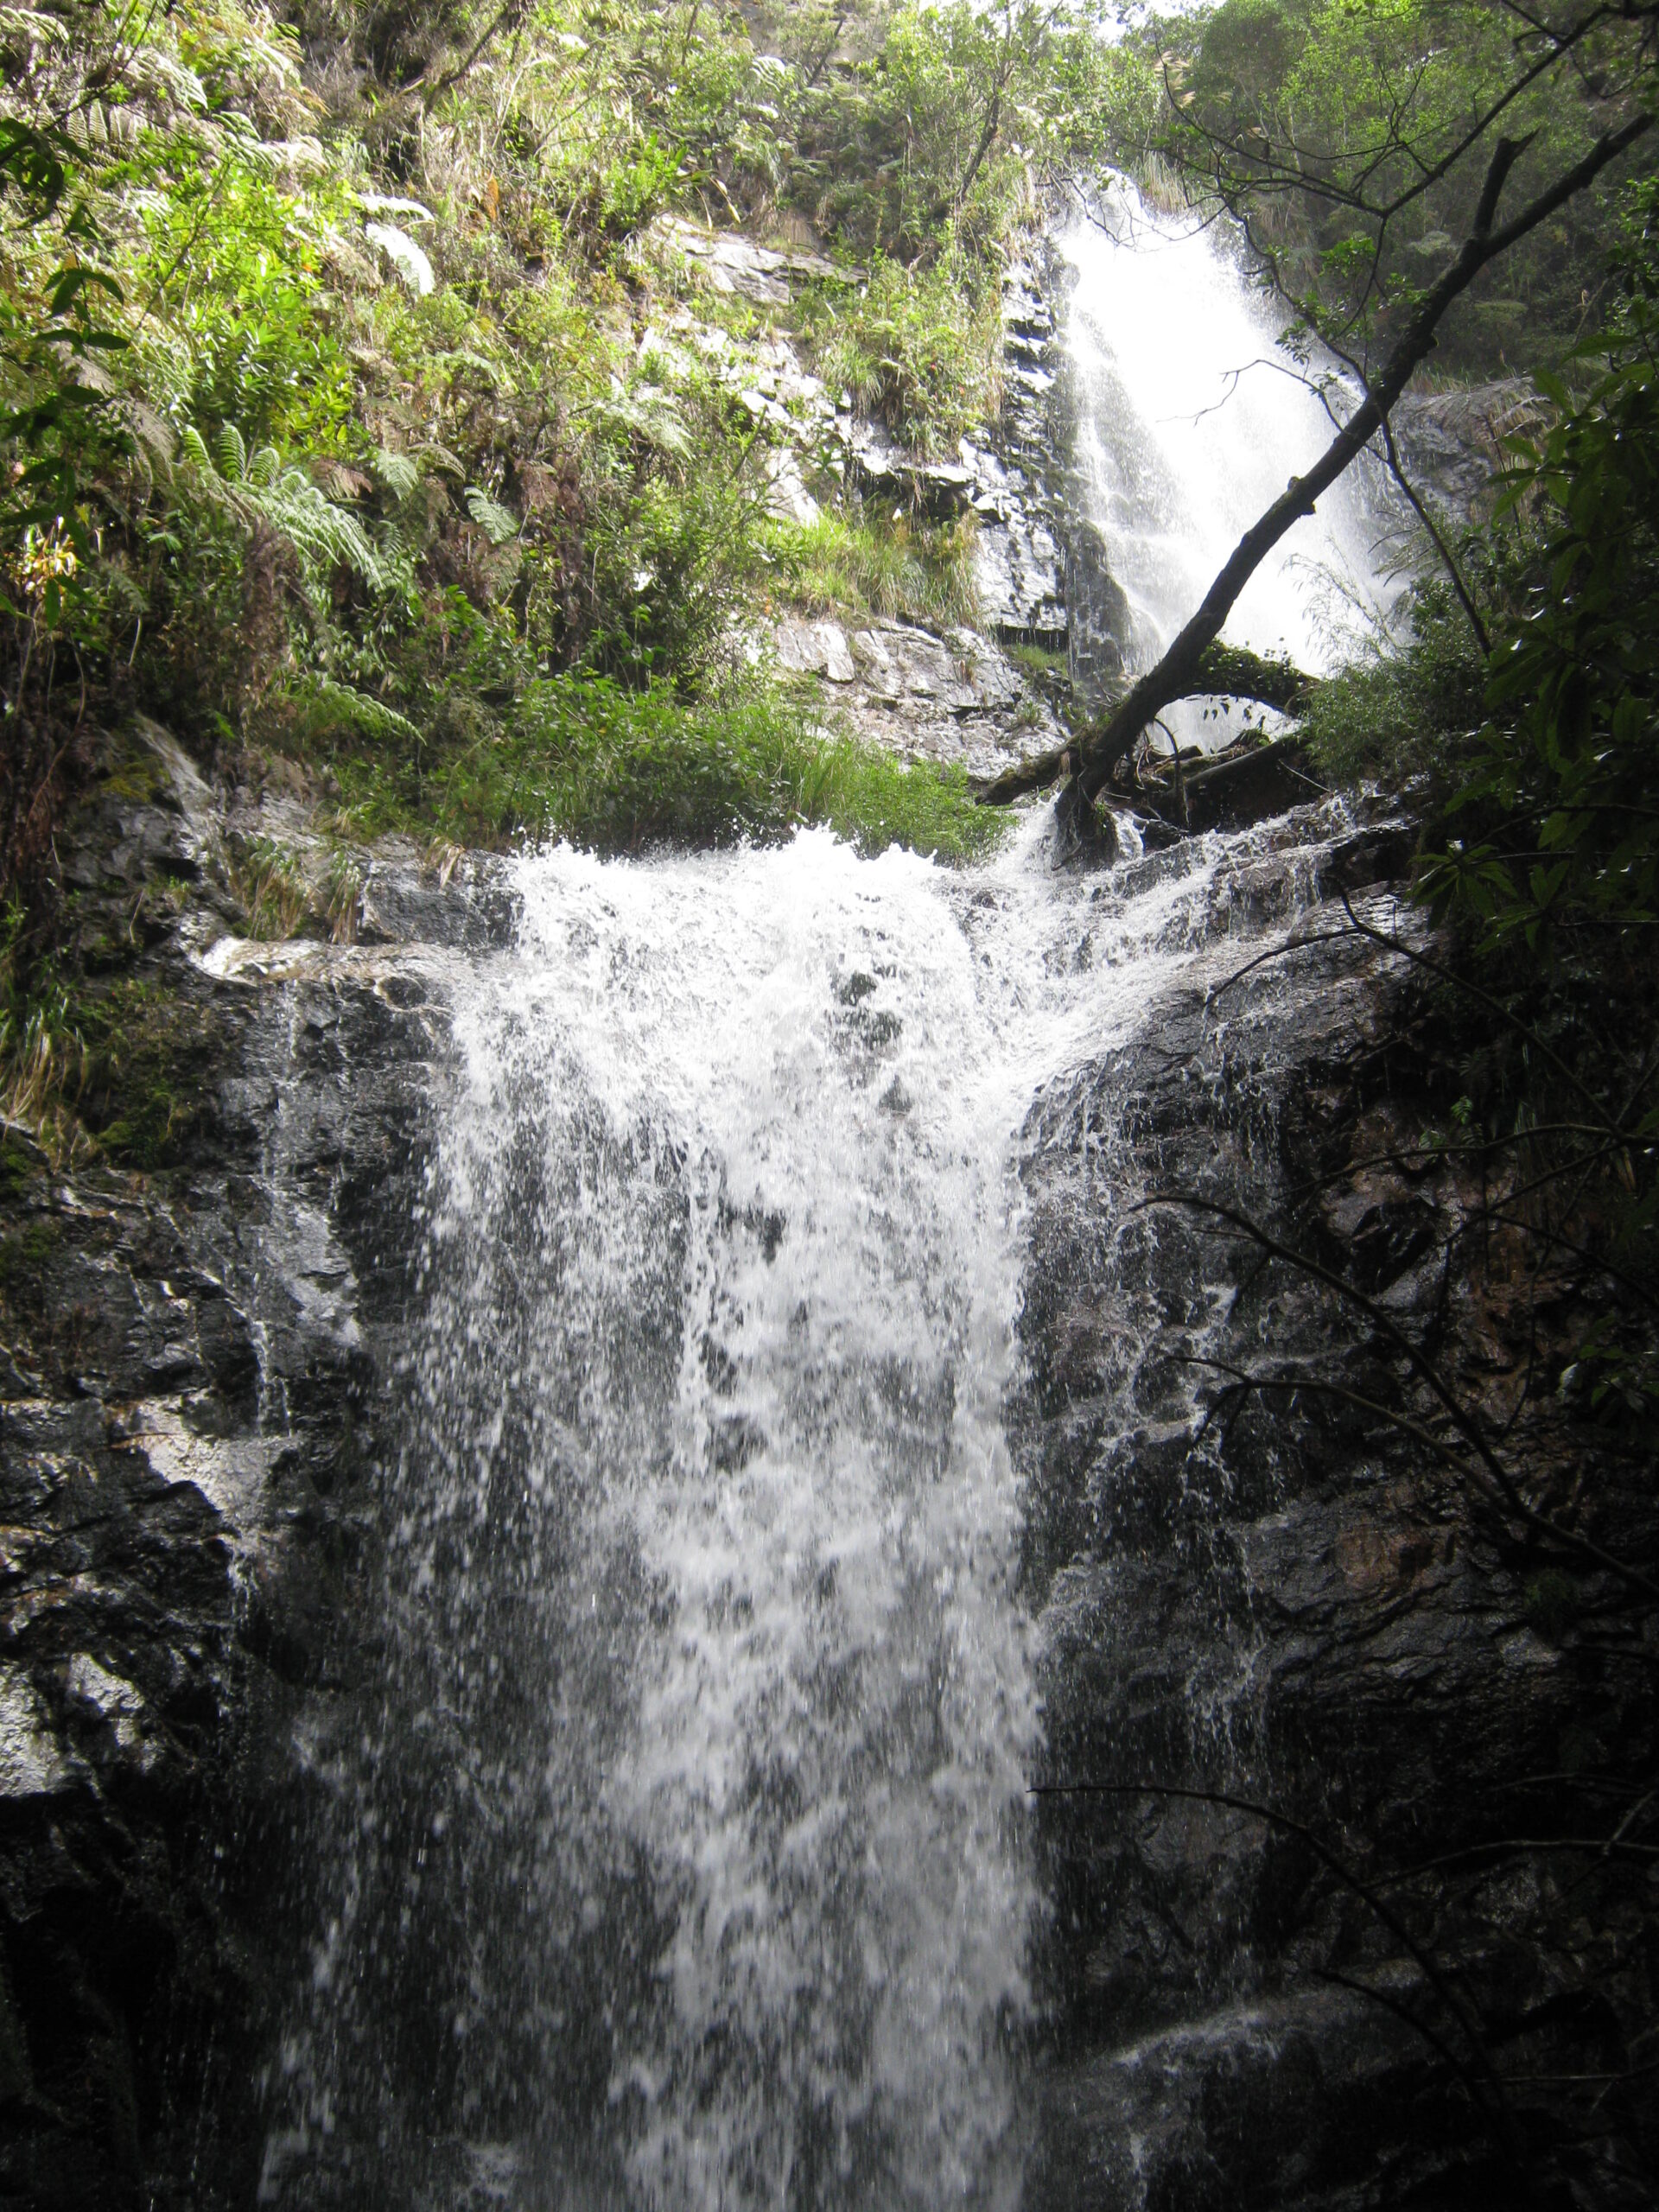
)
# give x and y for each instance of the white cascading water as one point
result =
(1192, 418)
(687, 1865)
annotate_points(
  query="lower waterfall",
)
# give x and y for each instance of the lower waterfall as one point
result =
(686, 1861)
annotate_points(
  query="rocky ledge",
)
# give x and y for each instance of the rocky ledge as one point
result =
(951, 698)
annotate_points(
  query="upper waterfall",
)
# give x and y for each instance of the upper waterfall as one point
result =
(1190, 417)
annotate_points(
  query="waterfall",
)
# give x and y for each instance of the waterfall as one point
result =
(686, 1864)
(685, 1860)
(1190, 417)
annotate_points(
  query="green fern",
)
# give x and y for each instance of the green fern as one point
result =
(330, 704)
(397, 472)
(494, 520)
(649, 414)
(325, 536)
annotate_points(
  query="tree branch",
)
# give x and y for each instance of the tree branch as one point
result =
(1178, 674)
(1488, 2094)
(430, 94)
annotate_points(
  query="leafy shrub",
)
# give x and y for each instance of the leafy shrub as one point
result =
(1560, 808)
(1404, 715)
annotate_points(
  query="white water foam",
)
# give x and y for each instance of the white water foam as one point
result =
(771, 1104)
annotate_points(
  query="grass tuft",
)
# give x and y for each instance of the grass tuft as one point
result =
(901, 570)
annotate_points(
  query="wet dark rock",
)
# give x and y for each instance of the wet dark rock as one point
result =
(195, 1379)
(1082, 836)
(1247, 784)
(201, 1370)
(1276, 1596)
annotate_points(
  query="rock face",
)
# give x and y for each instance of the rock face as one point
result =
(1275, 1602)
(956, 697)
(1451, 443)
(194, 1376)
(1020, 564)
(959, 695)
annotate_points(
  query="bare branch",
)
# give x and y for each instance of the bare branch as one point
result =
(1467, 1425)
(1488, 2094)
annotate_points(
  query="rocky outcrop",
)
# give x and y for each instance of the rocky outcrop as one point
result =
(729, 262)
(1274, 1600)
(192, 1393)
(951, 698)
(1020, 562)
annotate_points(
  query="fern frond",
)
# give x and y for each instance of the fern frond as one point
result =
(325, 536)
(332, 703)
(194, 449)
(397, 472)
(497, 522)
(232, 453)
(654, 418)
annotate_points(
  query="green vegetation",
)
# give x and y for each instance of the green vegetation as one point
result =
(1357, 145)
(585, 759)
(857, 563)
(365, 420)
(918, 345)
(1332, 129)
(149, 1062)
(122, 1068)
(347, 399)
(25, 1254)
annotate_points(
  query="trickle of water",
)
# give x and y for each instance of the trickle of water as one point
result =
(1192, 418)
(686, 1865)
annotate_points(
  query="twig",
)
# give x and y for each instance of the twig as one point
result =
(1462, 1418)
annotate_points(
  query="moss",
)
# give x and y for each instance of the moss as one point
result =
(16, 1169)
(127, 1064)
(152, 1057)
(25, 1254)
(1038, 661)
(25, 1251)
(133, 773)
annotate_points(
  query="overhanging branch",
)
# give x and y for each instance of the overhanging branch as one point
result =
(1180, 673)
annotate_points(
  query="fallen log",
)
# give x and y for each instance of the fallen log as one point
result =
(1224, 672)
(1237, 787)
